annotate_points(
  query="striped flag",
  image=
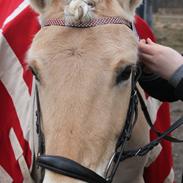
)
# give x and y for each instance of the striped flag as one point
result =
(18, 25)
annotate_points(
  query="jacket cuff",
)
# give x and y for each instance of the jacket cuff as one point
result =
(176, 77)
(179, 90)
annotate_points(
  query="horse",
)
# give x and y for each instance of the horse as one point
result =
(84, 82)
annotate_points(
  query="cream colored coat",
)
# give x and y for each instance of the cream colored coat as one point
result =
(83, 108)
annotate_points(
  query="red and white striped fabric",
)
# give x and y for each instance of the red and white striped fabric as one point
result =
(18, 24)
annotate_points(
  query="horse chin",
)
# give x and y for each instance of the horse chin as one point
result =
(51, 177)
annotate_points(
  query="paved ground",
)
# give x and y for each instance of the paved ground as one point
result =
(169, 31)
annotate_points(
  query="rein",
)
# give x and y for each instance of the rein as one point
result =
(73, 169)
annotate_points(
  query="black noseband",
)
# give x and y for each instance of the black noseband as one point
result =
(69, 168)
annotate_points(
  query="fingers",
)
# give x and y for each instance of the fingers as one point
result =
(149, 41)
(146, 46)
(143, 41)
(146, 58)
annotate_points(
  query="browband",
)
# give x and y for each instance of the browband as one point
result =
(91, 23)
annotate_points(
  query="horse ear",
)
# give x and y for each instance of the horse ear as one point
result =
(133, 4)
(129, 6)
(38, 5)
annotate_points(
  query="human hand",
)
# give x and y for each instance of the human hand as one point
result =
(159, 59)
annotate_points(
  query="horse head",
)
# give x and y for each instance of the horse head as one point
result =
(84, 79)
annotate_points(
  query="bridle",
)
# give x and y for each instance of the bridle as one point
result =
(73, 169)
(68, 167)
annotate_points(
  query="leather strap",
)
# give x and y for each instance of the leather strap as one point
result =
(148, 119)
(91, 23)
(144, 150)
(69, 168)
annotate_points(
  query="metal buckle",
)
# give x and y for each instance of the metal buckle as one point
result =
(136, 154)
(108, 167)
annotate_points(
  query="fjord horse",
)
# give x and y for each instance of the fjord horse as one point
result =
(84, 82)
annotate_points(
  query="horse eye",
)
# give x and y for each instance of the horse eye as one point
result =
(124, 74)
